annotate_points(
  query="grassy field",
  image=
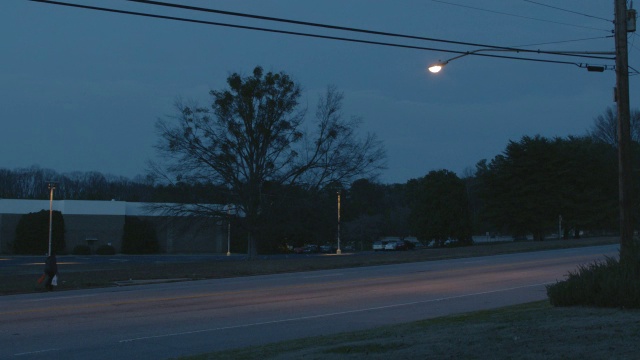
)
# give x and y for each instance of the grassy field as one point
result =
(15, 280)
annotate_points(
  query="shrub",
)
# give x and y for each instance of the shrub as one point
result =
(81, 250)
(603, 284)
(139, 237)
(32, 233)
(105, 250)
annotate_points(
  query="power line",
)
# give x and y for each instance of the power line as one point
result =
(520, 16)
(569, 11)
(564, 41)
(344, 28)
(582, 65)
(334, 27)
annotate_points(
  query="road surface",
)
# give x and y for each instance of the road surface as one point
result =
(169, 320)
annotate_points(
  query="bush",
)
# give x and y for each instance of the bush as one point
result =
(32, 234)
(81, 250)
(139, 237)
(106, 250)
(603, 284)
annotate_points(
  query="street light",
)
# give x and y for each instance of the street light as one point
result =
(229, 207)
(338, 251)
(435, 68)
(52, 186)
(625, 21)
(438, 66)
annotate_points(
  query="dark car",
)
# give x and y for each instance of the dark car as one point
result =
(311, 249)
(307, 249)
(327, 249)
(405, 245)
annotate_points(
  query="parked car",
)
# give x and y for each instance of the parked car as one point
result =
(311, 249)
(405, 245)
(417, 245)
(307, 249)
(391, 245)
(378, 245)
(327, 249)
(451, 242)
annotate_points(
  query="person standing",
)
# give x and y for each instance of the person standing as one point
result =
(51, 270)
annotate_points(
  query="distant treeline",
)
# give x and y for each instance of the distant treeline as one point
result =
(536, 187)
(32, 183)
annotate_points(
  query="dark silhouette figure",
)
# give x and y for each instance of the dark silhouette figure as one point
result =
(50, 269)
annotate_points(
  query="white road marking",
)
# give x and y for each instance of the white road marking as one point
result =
(329, 314)
(322, 276)
(63, 297)
(35, 352)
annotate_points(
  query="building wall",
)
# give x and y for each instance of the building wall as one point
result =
(182, 235)
(97, 223)
(93, 230)
(8, 224)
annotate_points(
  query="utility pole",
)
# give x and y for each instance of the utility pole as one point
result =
(228, 230)
(559, 227)
(52, 186)
(624, 131)
(338, 251)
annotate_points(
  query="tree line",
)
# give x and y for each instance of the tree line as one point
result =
(254, 148)
(531, 188)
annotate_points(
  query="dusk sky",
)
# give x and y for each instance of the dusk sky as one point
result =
(81, 89)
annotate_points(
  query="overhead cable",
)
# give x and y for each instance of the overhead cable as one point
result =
(583, 65)
(520, 16)
(344, 28)
(564, 41)
(569, 11)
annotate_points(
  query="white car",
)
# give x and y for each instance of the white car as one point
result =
(378, 245)
(391, 245)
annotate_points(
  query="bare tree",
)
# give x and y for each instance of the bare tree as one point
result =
(605, 127)
(253, 134)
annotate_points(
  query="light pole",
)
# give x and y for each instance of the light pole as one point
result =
(559, 227)
(625, 188)
(338, 251)
(52, 186)
(624, 22)
(228, 230)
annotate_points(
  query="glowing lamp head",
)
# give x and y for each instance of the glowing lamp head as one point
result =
(435, 68)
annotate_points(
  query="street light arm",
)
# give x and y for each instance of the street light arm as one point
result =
(437, 67)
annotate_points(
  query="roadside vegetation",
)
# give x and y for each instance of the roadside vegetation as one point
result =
(612, 283)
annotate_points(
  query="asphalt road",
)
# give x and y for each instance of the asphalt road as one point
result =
(169, 320)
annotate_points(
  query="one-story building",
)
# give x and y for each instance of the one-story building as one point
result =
(97, 223)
